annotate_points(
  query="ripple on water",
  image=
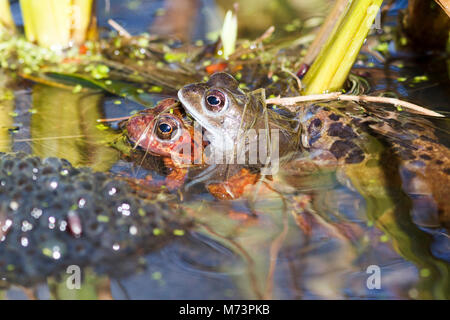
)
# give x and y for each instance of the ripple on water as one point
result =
(203, 256)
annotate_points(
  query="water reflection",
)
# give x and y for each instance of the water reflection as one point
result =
(64, 125)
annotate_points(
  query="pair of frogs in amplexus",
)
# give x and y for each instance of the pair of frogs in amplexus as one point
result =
(358, 140)
(215, 123)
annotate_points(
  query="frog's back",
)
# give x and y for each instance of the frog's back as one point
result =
(406, 143)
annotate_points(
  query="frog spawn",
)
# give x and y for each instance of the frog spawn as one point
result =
(53, 215)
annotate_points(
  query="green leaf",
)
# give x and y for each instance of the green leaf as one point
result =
(119, 88)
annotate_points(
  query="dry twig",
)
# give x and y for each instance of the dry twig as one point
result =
(290, 101)
(445, 5)
(121, 30)
(113, 119)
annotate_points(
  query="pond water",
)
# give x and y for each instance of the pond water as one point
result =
(322, 241)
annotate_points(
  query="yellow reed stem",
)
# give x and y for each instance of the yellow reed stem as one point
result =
(333, 63)
(81, 13)
(56, 23)
(355, 46)
(6, 122)
(6, 18)
(326, 31)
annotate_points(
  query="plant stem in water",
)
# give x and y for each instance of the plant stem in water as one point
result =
(332, 65)
(56, 23)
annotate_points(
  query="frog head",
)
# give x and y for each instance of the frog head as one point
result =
(218, 105)
(162, 130)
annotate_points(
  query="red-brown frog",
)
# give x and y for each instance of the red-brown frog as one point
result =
(165, 131)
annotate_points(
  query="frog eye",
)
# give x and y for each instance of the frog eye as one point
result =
(166, 128)
(215, 100)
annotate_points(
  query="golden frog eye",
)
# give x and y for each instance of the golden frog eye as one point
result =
(215, 100)
(166, 128)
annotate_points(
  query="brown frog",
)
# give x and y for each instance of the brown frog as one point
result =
(229, 114)
(164, 131)
(378, 149)
(393, 160)
(374, 150)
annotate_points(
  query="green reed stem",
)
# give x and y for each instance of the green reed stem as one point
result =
(332, 66)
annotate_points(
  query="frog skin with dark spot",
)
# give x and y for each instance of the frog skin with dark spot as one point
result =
(396, 163)
(227, 112)
(375, 146)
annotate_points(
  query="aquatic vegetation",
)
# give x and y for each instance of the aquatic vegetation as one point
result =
(58, 31)
(229, 34)
(6, 121)
(19, 55)
(333, 63)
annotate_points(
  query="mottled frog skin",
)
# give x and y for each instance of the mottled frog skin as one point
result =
(396, 163)
(378, 149)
